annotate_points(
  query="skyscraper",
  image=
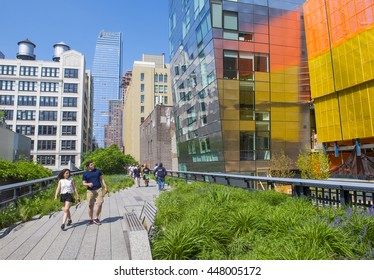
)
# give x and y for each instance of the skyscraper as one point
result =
(106, 72)
(238, 80)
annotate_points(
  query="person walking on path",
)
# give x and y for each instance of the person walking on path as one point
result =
(137, 173)
(94, 181)
(160, 173)
(66, 187)
(146, 171)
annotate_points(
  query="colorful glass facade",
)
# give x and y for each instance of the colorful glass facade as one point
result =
(240, 83)
(340, 42)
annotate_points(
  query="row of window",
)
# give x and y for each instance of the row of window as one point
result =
(51, 145)
(51, 159)
(158, 78)
(46, 130)
(158, 99)
(11, 70)
(33, 86)
(44, 101)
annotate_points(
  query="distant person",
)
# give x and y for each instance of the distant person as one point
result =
(94, 181)
(146, 171)
(66, 187)
(160, 173)
(154, 169)
(137, 172)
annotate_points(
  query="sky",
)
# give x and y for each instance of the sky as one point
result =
(143, 23)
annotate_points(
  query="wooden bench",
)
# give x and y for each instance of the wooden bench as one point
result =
(147, 216)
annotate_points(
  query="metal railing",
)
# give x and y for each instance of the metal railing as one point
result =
(12, 192)
(321, 192)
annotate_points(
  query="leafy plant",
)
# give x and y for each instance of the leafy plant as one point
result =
(281, 165)
(313, 165)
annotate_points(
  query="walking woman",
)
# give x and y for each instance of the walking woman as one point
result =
(66, 187)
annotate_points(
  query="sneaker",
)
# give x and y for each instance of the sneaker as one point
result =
(69, 222)
(97, 222)
(63, 227)
(90, 222)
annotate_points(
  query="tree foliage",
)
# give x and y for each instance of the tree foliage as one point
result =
(22, 170)
(313, 165)
(109, 160)
(281, 165)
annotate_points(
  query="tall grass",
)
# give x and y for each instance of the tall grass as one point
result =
(208, 221)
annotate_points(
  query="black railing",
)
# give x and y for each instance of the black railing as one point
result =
(12, 192)
(321, 192)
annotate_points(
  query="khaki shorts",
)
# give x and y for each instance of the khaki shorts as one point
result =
(96, 195)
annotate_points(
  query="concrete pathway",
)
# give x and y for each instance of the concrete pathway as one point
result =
(43, 239)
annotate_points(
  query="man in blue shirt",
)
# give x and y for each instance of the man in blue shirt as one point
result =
(94, 181)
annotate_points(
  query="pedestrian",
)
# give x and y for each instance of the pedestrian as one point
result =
(154, 169)
(137, 173)
(146, 171)
(94, 181)
(66, 187)
(160, 173)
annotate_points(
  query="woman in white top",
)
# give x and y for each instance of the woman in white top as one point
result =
(66, 188)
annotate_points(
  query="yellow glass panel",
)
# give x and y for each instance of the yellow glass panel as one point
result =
(262, 86)
(231, 114)
(262, 96)
(230, 125)
(247, 125)
(262, 76)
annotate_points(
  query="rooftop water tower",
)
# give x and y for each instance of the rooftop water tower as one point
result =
(26, 50)
(60, 48)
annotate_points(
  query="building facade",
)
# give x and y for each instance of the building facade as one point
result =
(149, 86)
(49, 102)
(238, 73)
(157, 138)
(340, 42)
(113, 131)
(106, 72)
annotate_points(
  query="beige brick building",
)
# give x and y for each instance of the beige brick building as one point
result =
(149, 86)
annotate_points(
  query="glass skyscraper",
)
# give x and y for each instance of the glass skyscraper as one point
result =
(106, 72)
(240, 83)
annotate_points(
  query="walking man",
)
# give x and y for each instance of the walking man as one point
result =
(94, 181)
(160, 173)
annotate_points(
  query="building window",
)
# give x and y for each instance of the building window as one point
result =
(50, 72)
(156, 88)
(25, 129)
(69, 130)
(66, 158)
(27, 86)
(165, 78)
(49, 87)
(247, 145)
(71, 73)
(247, 100)
(70, 87)
(230, 20)
(26, 115)
(8, 114)
(47, 145)
(46, 160)
(141, 87)
(142, 98)
(69, 116)
(246, 37)
(141, 109)
(7, 85)
(8, 70)
(68, 144)
(142, 77)
(165, 100)
(48, 101)
(161, 78)
(230, 64)
(69, 102)
(47, 130)
(141, 119)
(26, 100)
(28, 71)
(156, 78)
(6, 99)
(217, 15)
(47, 116)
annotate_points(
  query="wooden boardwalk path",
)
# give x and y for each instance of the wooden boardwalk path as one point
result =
(43, 239)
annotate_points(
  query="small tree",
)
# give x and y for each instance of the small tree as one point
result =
(109, 160)
(313, 165)
(281, 165)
